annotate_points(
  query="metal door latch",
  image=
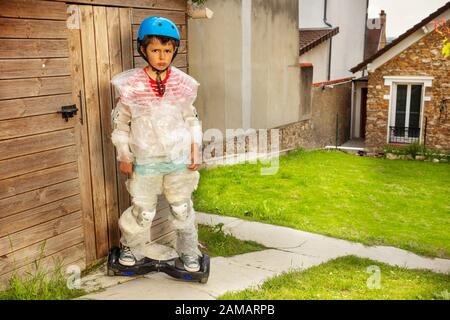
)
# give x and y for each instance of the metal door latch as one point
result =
(68, 111)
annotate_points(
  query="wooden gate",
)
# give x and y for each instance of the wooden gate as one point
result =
(60, 191)
(41, 166)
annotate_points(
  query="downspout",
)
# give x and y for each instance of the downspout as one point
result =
(331, 39)
(365, 32)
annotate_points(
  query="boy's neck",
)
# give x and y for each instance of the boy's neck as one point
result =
(152, 73)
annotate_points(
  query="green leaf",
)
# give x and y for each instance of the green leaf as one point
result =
(446, 50)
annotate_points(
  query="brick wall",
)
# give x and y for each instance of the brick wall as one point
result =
(424, 58)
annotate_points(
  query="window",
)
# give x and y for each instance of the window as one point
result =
(406, 113)
(406, 107)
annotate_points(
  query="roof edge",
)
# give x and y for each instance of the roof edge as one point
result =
(402, 37)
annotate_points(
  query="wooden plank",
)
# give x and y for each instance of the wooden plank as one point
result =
(32, 29)
(162, 202)
(37, 161)
(161, 215)
(181, 50)
(182, 28)
(27, 237)
(116, 64)
(35, 180)
(94, 129)
(33, 125)
(33, 9)
(33, 68)
(40, 200)
(127, 63)
(114, 41)
(126, 38)
(23, 88)
(28, 255)
(179, 62)
(71, 256)
(81, 131)
(161, 229)
(139, 15)
(27, 107)
(33, 48)
(33, 217)
(168, 239)
(106, 104)
(37, 143)
(179, 5)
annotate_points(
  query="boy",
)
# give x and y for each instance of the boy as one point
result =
(157, 135)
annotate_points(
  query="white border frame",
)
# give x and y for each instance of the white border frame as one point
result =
(392, 82)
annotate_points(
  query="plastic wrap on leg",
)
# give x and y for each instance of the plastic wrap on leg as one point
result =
(178, 186)
(135, 223)
(134, 235)
(187, 241)
(183, 220)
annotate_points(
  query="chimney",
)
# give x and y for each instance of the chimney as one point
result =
(383, 40)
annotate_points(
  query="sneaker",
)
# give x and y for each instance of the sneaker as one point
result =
(127, 257)
(191, 263)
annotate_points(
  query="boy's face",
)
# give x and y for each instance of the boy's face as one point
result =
(160, 55)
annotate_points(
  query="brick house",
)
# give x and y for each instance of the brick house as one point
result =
(404, 93)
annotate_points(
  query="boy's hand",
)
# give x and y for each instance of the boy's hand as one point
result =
(126, 168)
(195, 163)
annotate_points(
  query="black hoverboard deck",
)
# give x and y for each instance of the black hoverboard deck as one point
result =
(173, 268)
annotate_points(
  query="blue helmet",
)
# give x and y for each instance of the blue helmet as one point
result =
(158, 26)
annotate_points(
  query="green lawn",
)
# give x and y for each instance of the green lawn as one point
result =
(374, 201)
(41, 285)
(218, 244)
(347, 279)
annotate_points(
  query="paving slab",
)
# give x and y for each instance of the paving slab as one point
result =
(316, 245)
(289, 250)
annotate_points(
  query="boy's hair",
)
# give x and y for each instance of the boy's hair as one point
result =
(148, 39)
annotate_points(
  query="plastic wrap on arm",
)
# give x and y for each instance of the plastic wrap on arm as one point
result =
(189, 88)
(121, 118)
(195, 126)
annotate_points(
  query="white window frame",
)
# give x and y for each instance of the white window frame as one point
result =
(393, 82)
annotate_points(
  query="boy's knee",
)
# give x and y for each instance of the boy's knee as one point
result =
(181, 209)
(144, 217)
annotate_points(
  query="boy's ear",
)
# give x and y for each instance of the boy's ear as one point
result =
(143, 50)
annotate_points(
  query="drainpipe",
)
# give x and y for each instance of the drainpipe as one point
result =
(353, 107)
(365, 31)
(331, 39)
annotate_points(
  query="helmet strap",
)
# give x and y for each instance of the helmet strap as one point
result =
(161, 86)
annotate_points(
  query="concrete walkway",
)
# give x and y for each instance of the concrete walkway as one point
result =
(291, 249)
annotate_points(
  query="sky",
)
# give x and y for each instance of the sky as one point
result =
(403, 14)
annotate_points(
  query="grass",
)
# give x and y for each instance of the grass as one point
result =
(41, 285)
(218, 244)
(374, 201)
(348, 278)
